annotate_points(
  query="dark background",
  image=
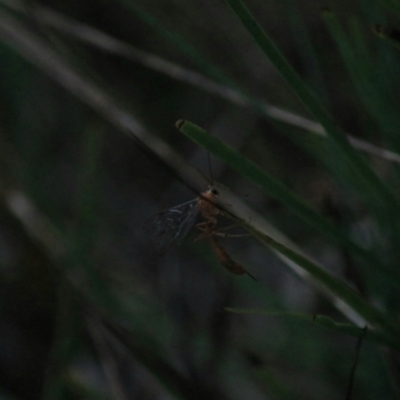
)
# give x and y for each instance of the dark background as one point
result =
(87, 304)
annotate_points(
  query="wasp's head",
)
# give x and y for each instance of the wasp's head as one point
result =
(213, 190)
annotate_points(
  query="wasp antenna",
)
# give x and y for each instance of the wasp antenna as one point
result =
(203, 175)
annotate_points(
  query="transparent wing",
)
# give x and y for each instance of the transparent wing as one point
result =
(169, 227)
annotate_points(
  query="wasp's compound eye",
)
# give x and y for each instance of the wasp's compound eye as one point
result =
(214, 192)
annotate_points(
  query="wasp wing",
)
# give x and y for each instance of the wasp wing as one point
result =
(169, 227)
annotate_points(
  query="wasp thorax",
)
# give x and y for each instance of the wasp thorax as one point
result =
(206, 203)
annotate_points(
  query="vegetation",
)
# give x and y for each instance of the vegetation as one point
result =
(115, 111)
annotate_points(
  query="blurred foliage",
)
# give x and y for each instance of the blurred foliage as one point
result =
(90, 93)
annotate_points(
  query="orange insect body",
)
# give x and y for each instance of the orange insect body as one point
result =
(225, 259)
(206, 202)
(208, 209)
(172, 225)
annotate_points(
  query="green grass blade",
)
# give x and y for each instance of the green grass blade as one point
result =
(362, 68)
(372, 184)
(277, 190)
(324, 322)
(307, 53)
(335, 285)
(392, 5)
